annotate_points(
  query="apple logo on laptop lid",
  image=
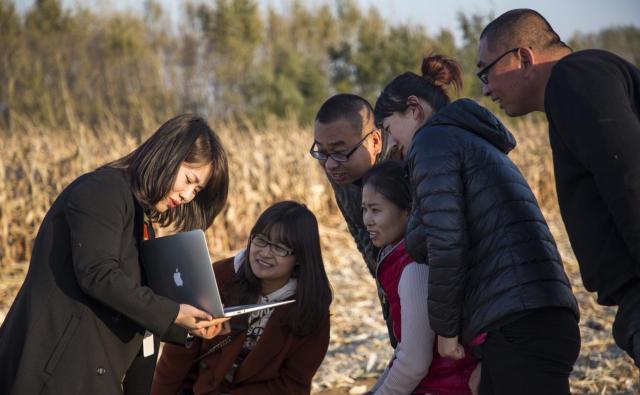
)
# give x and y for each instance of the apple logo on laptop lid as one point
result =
(177, 278)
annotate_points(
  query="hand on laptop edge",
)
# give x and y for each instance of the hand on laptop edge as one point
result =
(198, 322)
(221, 328)
(215, 330)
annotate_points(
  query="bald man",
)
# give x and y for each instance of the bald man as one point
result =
(592, 102)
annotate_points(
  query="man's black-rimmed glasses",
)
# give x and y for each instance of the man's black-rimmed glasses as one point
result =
(484, 73)
(338, 157)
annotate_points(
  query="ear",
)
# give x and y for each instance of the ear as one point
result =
(376, 141)
(415, 109)
(418, 109)
(527, 61)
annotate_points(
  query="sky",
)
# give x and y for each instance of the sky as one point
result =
(566, 16)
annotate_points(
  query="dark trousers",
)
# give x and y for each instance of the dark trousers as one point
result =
(626, 325)
(139, 376)
(532, 355)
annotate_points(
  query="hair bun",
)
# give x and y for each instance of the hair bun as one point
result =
(442, 71)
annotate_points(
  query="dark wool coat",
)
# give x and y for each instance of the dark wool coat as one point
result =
(78, 321)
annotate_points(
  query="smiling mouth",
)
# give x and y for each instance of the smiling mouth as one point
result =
(264, 263)
(338, 176)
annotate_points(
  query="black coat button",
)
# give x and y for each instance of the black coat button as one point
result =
(101, 371)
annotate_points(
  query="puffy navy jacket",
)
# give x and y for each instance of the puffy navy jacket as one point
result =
(477, 224)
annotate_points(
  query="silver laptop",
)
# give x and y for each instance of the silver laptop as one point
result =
(179, 268)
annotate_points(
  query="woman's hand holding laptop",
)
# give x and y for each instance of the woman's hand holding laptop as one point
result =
(199, 323)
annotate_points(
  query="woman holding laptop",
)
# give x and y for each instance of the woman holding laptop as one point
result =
(270, 351)
(78, 321)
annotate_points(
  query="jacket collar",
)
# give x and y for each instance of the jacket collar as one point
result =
(238, 259)
(397, 248)
(394, 251)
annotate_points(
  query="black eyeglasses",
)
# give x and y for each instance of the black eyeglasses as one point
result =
(276, 248)
(484, 73)
(338, 157)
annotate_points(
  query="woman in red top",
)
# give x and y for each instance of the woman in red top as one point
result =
(416, 366)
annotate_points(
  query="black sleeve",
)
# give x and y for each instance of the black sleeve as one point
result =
(591, 109)
(177, 335)
(436, 165)
(97, 214)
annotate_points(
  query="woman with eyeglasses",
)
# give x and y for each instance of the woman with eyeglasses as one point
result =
(271, 351)
(493, 264)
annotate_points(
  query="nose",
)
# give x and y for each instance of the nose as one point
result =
(486, 91)
(391, 141)
(188, 194)
(331, 164)
(265, 251)
(367, 219)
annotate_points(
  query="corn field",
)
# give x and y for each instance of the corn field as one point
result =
(267, 165)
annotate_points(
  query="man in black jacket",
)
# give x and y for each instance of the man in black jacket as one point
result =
(592, 102)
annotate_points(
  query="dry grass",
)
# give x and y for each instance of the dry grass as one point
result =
(266, 166)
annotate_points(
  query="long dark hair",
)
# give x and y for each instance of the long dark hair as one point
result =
(438, 72)
(154, 165)
(296, 227)
(389, 179)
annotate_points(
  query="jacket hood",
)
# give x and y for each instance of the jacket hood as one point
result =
(469, 115)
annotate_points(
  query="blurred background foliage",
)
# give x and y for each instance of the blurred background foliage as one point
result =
(229, 60)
